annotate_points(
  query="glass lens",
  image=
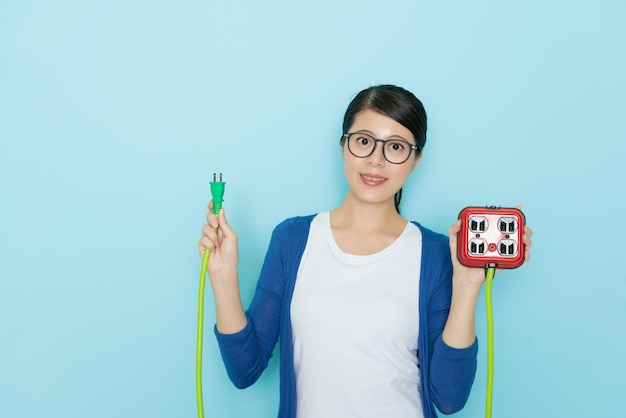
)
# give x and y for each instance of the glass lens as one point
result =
(361, 145)
(397, 151)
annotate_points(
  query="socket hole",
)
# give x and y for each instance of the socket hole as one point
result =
(507, 247)
(507, 225)
(477, 246)
(478, 224)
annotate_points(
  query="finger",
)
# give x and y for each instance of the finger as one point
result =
(222, 222)
(212, 224)
(452, 235)
(527, 231)
(209, 231)
(224, 226)
(455, 228)
(211, 213)
(201, 248)
(527, 238)
(528, 242)
(211, 220)
(205, 244)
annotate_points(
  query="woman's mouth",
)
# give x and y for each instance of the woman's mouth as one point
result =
(372, 179)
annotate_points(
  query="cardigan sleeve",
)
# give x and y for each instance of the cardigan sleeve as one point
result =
(451, 371)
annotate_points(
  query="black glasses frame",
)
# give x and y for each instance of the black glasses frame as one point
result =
(346, 137)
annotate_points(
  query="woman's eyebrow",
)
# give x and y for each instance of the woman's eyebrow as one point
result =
(367, 131)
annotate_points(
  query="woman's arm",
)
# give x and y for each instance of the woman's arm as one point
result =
(453, 363)
(221, 241)
(460, 330)
(246, 339)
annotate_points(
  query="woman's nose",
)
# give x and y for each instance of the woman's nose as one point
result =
(377, 157)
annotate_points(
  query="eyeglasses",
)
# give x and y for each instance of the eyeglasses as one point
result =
(362, 145)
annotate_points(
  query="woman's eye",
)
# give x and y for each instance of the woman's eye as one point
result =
(396, 146)
(363, 141)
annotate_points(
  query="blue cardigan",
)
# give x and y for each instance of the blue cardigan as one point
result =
(446, 373)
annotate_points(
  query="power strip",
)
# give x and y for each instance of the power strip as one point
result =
(491, 235)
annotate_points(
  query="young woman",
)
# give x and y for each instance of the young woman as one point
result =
(374, 317)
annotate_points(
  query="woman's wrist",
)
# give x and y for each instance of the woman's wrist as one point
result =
(229, 312)
(460, 330)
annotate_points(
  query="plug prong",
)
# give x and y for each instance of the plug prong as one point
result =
(220, 176)
(214, 177)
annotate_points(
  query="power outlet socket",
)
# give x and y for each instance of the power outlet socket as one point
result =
(491, 235)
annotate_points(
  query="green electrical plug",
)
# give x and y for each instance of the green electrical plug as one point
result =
(217, 192)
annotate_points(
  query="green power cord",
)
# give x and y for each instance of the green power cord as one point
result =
(490, 272)
(217, 193)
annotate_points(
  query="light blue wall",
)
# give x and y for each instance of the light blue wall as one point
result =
(115, 114)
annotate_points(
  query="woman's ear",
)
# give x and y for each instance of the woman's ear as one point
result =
(417, 159)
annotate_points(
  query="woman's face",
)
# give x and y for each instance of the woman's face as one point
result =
(373, 179)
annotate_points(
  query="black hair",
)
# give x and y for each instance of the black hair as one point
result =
(397, 103)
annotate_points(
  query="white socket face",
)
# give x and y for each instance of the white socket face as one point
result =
(492, 235)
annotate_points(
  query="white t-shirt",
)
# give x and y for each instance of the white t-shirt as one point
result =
(355, 326)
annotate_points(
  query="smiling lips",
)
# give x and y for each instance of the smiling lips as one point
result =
(372, 179)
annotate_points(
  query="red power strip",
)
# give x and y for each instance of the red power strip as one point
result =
(491, 235)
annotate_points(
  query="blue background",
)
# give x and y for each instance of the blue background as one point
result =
(114, 116)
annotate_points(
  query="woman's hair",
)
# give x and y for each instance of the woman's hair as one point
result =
(395, 102)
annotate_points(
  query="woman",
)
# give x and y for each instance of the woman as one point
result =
(373, 315)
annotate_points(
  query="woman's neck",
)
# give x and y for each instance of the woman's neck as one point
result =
(365, 217)
(363, 228)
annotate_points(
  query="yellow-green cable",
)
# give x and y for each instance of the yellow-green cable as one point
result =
(217, 193)
(489, 309)
(203, 272)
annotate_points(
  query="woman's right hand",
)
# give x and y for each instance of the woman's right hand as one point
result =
(221, 241)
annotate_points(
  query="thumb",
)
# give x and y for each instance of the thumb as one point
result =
(454, 229)
(223, 224)
(452, 234)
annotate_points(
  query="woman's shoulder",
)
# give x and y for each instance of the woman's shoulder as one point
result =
(294, 226)
(429, 234)
(436, 255)
(296, 221)
(433, 239)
